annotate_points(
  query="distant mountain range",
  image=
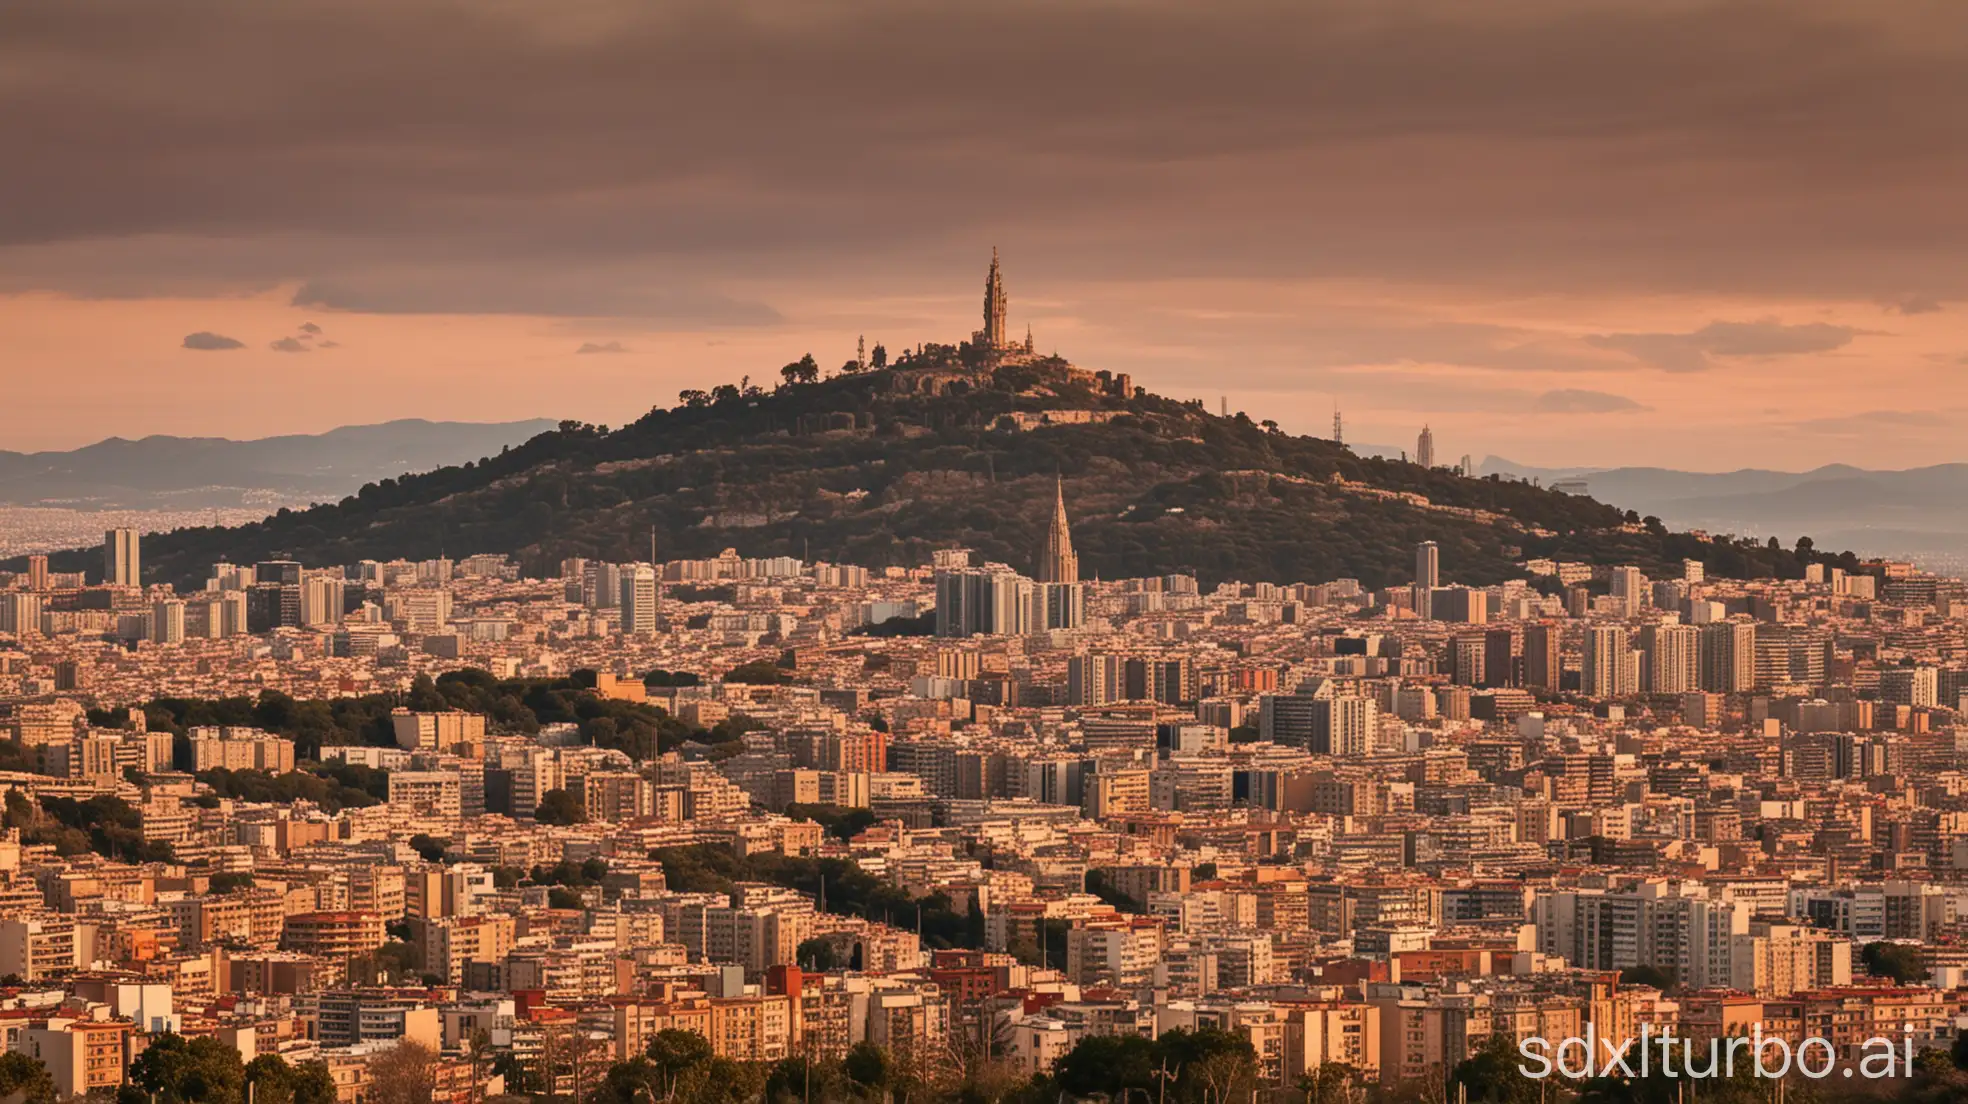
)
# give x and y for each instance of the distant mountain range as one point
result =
(196, 473)
(1918, 512)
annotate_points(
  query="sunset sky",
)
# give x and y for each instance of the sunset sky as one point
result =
(1567, 232)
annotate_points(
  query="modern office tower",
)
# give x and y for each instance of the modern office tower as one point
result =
(1671, 659)
(1468, 660)
(20, 614)
(227, 576)
(1343, 726)
(1171, 681)
(1630, 587)
(37, 573)
(640, 600)
(1543, 667)
(1425, 448)
(235, 615)
(1428, 565)
(122, 561)
(1065, 605)
(1610, 668)
(1319, 720)
(1096, 679)
(602, 586)
(1427, 577)
(992, 600)
(323, 602)
(1463, 605)
(274, 602)
(284, 572)
(1791, 654)
(167, 622)
(1500, 662)
(1915, 686)
(1728, 657)
(1057, 562)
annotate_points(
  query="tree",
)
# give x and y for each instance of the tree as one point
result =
(676, 1053)
(177, 1070)
(869, 1067)
(272, 1080)
(1898, 961)
(26, 1076)
(799, 1079)
(560, 807)
(1112, 1065)
(1328, 1084)
(878, 356)
(1491, 1076)
(404, 1074)
(1647, 974)
(431, 849)
(816, 956)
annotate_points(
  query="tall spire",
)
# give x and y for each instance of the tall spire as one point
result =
(1058, 564)
(994, 306)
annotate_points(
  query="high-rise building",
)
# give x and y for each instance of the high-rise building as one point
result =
(640, 600)
(1500, 663)
(20, 614)
(1918, 687)
(1543, 667)
(122, 561)
(167, 622)
(1428, 565)
(992, 600)
(1630, 588)
(322, 601)
(601, 586)
(1611, 667)
(1728, 657)
(1096, 679)
(1671, 659)
(37, 573)
(1425, 448)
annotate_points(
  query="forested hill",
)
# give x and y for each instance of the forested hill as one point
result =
(880, 467)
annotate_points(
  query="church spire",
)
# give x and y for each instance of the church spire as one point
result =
(994, 306)
(1058, 564)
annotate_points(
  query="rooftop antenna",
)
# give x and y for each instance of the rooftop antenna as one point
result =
(1339, 437)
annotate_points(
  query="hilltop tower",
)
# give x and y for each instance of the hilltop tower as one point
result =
(1058, 564)
(1425, 448)
(993, 333)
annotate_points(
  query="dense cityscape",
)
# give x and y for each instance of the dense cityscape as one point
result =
(740, 828)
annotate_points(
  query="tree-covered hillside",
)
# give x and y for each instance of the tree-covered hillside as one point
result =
(864, 468)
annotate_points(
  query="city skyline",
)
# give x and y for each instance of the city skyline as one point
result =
(723, 658)
(1391, 221)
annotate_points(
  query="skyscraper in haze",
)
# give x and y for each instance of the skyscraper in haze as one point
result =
(121, 564)
(37, 573)
(1543, 665)
(1428, 576)
(640, 600)
(1425, 448)
(167, 622)
(1428, 565)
